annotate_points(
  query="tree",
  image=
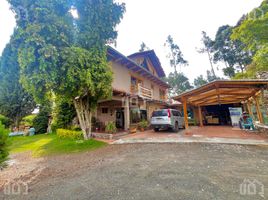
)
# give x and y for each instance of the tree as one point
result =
(143, 47)
(72, 64)
(199, 81)
(15, 102)
(208, 49)
(179, 83)
(252, 31)
(3, 144)
(175, 55)
(211, 77)
(231, 52)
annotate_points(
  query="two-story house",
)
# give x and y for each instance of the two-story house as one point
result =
(138, 89)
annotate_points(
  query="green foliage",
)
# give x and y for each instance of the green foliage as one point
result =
(5, 121)
(207, 48)
(64, 133)
(143, 124)
(199, 81)
(230, 51)
(40, 122)
(15, 102)
(51, 144)
(175, 55)
(67, 55)
(97, 22)
(64, 113)
(111, 128)
(179, 83)
(252, 31)
(3, 144)
(28, 120)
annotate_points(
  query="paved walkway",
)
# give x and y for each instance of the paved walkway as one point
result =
(222, 135)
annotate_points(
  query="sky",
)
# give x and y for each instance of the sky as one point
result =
(151, 21)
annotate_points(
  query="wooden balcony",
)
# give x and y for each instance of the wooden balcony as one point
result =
(142, 92)
(145, 92)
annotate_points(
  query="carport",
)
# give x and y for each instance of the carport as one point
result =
(224, 92)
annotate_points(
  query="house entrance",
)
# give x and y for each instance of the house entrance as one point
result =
(120, 119)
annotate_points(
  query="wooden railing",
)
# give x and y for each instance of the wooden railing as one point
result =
(145, 92)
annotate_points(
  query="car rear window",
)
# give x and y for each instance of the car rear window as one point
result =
(160, 113)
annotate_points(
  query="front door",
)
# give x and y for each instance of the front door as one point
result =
(120, 119)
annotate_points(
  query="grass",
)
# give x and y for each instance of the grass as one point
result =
(45, 145)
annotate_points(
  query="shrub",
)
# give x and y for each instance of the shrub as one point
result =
(64, 115)
(5, 121)
(143, 124)
(111, 128)
(28, 120)
(3, 144)
(40, 122)
(64, 133)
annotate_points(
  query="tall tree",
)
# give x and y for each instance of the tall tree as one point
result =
(66, 55)
(231, 52)
(252, 31)
(179, 83)
(175, 55)
(15, 102)
(199, 81)
(208, 49)
(143, 47)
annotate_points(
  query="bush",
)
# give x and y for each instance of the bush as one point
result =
(144, 124)
(28, 120)
(111, 128)
(5, 121)
(64, 115)
(40, 122)
(64, 133)
(3, 144)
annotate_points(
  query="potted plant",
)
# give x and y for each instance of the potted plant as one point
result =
(143, 125)
(110, 128)
(133, 128)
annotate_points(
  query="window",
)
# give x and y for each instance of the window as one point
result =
(134, 84)
(135, 116)
(104, 110)
(160, 113)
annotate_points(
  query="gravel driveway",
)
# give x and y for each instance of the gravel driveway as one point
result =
(151, 171)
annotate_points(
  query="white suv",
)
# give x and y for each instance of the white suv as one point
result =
(167, 118)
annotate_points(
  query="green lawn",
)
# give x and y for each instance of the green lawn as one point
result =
(44, 145)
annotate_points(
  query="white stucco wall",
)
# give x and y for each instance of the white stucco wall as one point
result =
(121, 77)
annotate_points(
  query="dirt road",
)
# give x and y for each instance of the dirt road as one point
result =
(144, 171)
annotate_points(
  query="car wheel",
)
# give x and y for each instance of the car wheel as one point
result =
(176, 128)
(156, 129)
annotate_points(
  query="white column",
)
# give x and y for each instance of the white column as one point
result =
(127, 113)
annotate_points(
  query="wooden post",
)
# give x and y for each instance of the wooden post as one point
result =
(185, 114)
(126, 114)
(260, 118)
(249, 109)
(200, 116)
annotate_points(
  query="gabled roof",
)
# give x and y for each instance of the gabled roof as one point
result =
(223, 92)
(114, 55)
(154, 59)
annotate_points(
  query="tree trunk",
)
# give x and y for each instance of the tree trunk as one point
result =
(84, 116)
(211, 64)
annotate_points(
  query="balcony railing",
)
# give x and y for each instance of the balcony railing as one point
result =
(145, 92)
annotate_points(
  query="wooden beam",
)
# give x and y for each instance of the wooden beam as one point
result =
(249, 109)
(200, 116)
(260, 117)
(185, 114)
